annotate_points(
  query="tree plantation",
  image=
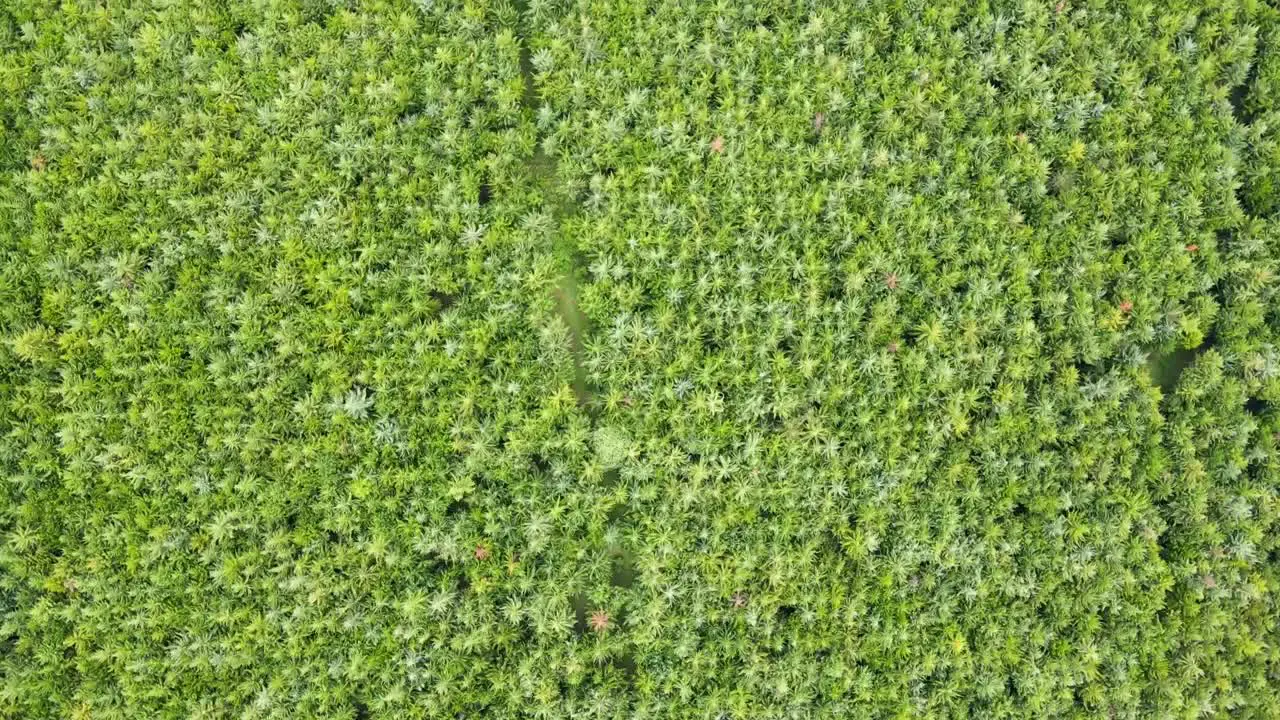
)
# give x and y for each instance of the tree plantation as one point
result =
(639, 359)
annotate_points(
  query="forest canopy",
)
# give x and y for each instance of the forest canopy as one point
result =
(648, 359)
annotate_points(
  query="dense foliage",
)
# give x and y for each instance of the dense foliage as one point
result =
(639, 359)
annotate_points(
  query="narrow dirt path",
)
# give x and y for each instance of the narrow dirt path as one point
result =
(543, 168)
